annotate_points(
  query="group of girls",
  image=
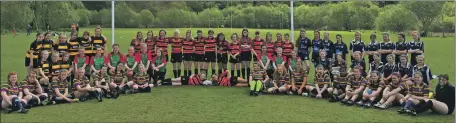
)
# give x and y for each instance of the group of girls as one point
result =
(280, 66)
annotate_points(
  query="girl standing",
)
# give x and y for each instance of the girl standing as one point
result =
(188, 55)
(222, 56)
(416, 47)
(176, 53)
(234, 55)
(246, 54)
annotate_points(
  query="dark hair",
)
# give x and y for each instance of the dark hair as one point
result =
(257, 32)
(210, 31)
(86, 33)
(286, 34)
(316, 31)
(402, 35)
(199, 31)
(115, 45)
(38, 34)
(373, 36)
(217, 40)
(234, 34)
(445, 76)
(47, 33)
(243, 32)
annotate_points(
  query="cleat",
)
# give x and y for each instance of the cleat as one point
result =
(383, 106)
(401, 111)
(350, 103)
(23, 110)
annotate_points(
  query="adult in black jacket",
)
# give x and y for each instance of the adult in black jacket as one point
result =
(444, 99)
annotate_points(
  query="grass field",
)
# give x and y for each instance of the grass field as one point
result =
(215, 104)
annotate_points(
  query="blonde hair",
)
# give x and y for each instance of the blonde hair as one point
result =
(177, 31)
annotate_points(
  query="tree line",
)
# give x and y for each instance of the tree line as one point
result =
(426, 16)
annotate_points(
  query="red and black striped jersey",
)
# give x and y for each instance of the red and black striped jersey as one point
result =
(278, 44)
(257, 43)
(188, 45)
(136, 44)
(222, 47)
(287, 48)
(210, 44)
(176, 44)
(199, 45)
(234, 48)
(246, 41)
(163, 45)
(271, 48)
(150, 46)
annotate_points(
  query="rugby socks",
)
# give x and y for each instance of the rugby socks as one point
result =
(232, 72)
(219, 71)
(179, 73)
(403, 104)
(42, 97)
(243, 72)
(175, 73)
(408, 104)
(196, 71)
(425, 107)
(213, 72)
(238, 73)
(185, 72)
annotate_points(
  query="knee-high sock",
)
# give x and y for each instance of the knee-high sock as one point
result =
(212, 72)
(408, 104)
(219, 71)
(185, 72)
(179, 73)
(42, 97)
(196, 71)
(425, 107)
(232, 72)
(243, 72)
(238, 73)
(175, 73)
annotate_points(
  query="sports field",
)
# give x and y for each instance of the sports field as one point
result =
(216, 104)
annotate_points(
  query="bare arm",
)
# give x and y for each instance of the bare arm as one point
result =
(359, 90)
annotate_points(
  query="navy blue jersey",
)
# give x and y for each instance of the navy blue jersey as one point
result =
(386, 46)
(372, 46)
(316, 46)
(316, 49)
(327, 46)
(425, 71)
(361, 63)
(378, 67)
(325, 62)
(388, 69)
(340, 48)
(404, 69)
(303, 46)
(357, 46)
(401, 46)
(415, 45)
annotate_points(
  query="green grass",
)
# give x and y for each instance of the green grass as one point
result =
(215, 104)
